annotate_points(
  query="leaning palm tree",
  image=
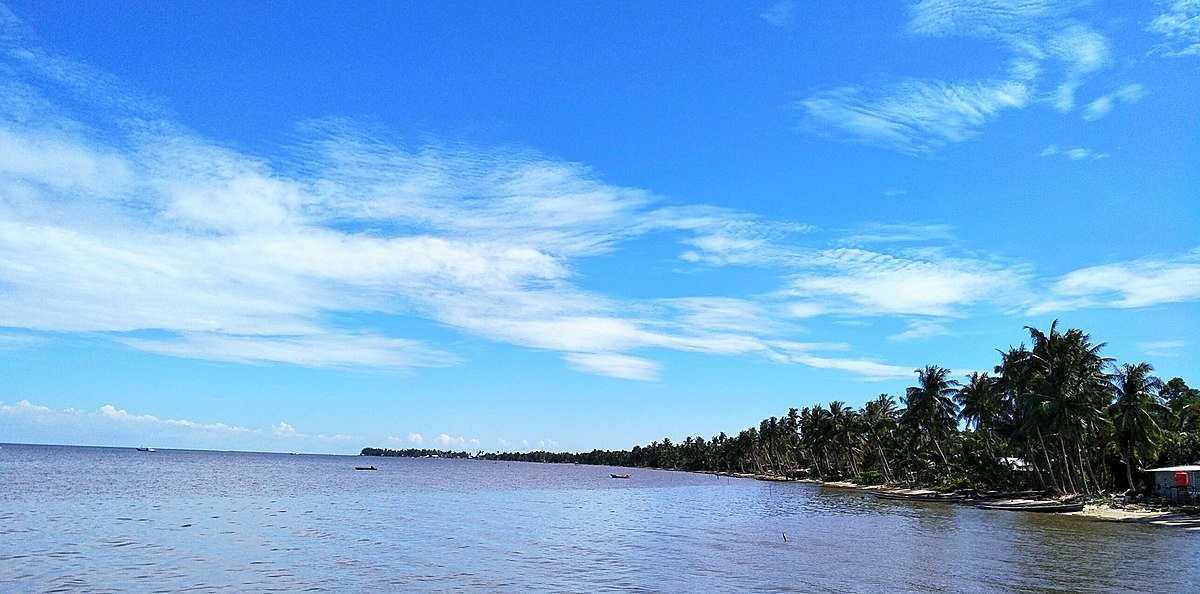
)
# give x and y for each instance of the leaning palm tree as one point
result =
(879, 420)
(1135, 414)
(1065, 399)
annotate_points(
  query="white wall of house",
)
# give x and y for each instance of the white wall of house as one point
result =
(1164, 481)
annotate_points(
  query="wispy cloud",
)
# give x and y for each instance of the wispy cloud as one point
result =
(1006, 20)
(110, 425)
(780, 14)
(862, 282)
(921, 329)
(163, 241)
(867, 368)
(445, 440)
(1179, 24)
(1164, 348)
(1104, 104)
(1074, 154)
(1142, 283)
(1047, 47)
(899, 233)
(1083, 52)
(913, 116)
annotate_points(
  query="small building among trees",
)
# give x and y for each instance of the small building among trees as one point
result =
(1177, 484)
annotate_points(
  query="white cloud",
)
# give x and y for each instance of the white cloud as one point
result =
(24, 407)
(862, 282)
(780, 14)
(222, 256)
(1164, 348)
(1142, 283)
(322, 350)
(1074, 154)
(1006, 20)
(913, 116)
(1179, 24)
(920, 330)
(110, 425)
(1047, 47)
(898, 233)
(416, 438)
(1101, 106)
(448, 441)
(870, 370)
(231, 257)
(615, 365)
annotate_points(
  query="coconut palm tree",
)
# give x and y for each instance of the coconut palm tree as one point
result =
(879, 421)
(1135, 413)
(930, 412)
(982, 404)
(1066, 398)
(845, 436)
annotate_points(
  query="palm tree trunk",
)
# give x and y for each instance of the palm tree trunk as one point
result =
(887, 470)
(1067, 466)
(1049, 464)
(1088, 467)
(945, 463)
(1129, 470)
(1037, 472)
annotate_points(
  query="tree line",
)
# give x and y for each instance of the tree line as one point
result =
(1054, 415)
(412, 453)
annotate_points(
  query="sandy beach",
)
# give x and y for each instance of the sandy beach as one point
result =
(1140, 516)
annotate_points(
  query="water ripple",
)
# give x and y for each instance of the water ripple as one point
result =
(102, 520)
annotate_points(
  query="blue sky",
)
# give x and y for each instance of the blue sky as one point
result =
(572, 225)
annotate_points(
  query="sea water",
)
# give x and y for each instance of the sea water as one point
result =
(81, 519)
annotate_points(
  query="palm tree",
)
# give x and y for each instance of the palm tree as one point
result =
(845, 436)
(983, 405)
(1135, 412)
(1066, 397)
(930, 412)
(815, 436)
(878, 420)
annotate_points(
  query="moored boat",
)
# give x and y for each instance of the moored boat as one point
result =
(622, 476)
(1053, 507)
(365, 468)
(934, 497)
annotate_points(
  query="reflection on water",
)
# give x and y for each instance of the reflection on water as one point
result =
(102, 520)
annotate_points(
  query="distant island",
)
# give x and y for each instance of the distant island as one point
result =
(412, 453)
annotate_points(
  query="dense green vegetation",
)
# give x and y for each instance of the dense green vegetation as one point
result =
(1055, 415)
(412, 453)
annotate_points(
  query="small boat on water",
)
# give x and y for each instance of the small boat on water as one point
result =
(145, 449)
(1051, 507)
(926, 497)
(619, 475)
(365, 468)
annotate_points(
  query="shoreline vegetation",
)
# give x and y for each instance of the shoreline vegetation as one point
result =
(1056, 418)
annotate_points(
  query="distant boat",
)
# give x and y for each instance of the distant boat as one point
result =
(145, 449)
(1052, 507)
(619, 475)
(934, 497)
(365, 468)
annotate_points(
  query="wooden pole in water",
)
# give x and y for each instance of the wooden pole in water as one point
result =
(784, 536)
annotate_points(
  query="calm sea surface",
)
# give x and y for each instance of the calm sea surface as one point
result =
(75, 519)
